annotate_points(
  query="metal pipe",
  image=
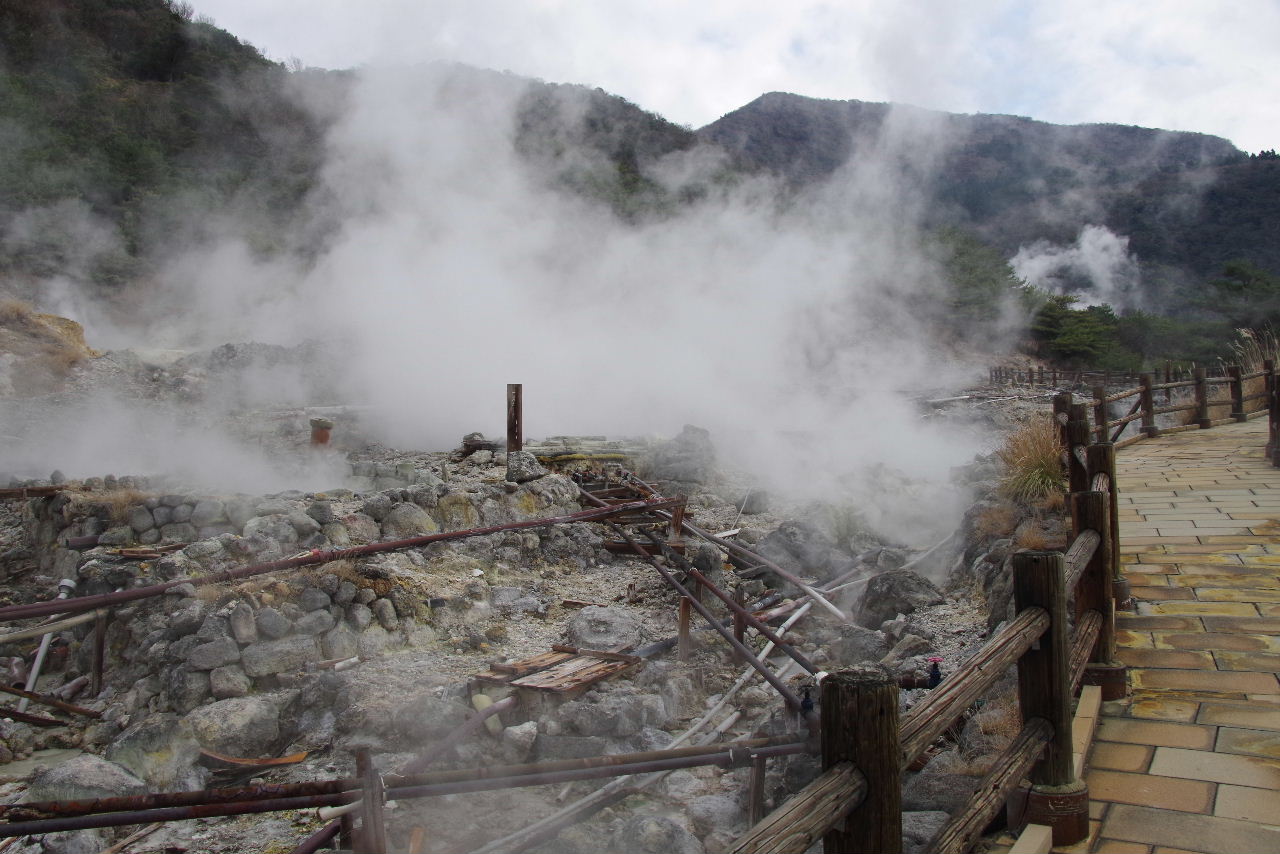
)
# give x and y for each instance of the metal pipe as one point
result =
(734, 548)
(733, 606)
(725, 758)
(85, 603)
(65, 586)
(55, 626)
(320, 839)
(746, 652)
(45, 700)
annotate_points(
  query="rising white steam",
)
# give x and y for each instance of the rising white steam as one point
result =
(1098, 268)
(791, 330)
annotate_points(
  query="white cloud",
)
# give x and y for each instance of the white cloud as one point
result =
(1181, 65)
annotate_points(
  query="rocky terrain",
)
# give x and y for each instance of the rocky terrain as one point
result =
(380, 652)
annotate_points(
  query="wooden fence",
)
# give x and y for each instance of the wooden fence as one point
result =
(1195, 396)
(1063, 634)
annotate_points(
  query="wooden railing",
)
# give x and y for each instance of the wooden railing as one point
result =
(1194, 396)
(855, 804)
(1033, 375)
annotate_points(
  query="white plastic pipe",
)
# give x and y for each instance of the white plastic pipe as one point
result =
(65, 586)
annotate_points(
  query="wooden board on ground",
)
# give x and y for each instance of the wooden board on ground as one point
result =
(565, 670)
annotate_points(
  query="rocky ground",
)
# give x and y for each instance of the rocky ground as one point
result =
(233, 667)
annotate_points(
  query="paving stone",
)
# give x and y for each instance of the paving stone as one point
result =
(1266, 662)
(1204, 680)
(1252, 594)
(1184, 659)
(1211, 641)
(1160, 733)
(1113, 756)
(1251, 742)
(1243, 625)
(1139, 623)
(1147, 789)
(1209, 834)
(1250, 717)
(1116, 846)
(1134, 640)
(1161, 593)
(1160, 707)
(1217, 609)
(1244, 802)
(1216, 767)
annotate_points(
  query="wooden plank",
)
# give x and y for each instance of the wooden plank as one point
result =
(800, 822)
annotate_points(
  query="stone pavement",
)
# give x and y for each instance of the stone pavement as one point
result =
(1191, 762)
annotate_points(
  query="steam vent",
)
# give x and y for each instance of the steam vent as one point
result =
(414, 456)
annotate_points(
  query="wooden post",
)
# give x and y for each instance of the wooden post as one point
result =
(860, 725)
(1077, 437)
(1061, 415)
(515, 417)
(1044, 691)
(1148, 407)
(1202, 398)
(1100, 426)
(677, 524)
(99, 653)
(1102, 457)
(1168, 378)
(755, 791)
(1237, 393)
(739, 624)
(1273, 421)
(684, 640)
(1041, 375)
(373, 833)
(346, 832)
(1094, 593)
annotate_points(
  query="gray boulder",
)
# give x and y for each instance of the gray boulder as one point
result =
(385, 612)
(406, 520)
(279, 656)
(689, 457)
(604, 628)
(313, 599)
(229, 681)
(162, 750)
(340, 642)
(244, 628)
(140, 519)
(216, 653)
(898, 591)
(855, 644)
(377, 506)
(275, 528)
(314, 623)
(184, 688)
(241, 726)
(207, 512)
(523, 466)
(303, 524)
(182, 513)
(179, 532)
(272, 624)
(802, 549)
(80, 778)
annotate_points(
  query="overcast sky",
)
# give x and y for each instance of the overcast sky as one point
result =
(1199, 65)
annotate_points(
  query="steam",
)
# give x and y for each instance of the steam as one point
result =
(1098, 268)
(790, 329)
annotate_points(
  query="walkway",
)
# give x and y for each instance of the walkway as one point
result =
(1192, 761)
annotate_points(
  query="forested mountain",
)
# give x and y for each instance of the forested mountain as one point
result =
(128, 127)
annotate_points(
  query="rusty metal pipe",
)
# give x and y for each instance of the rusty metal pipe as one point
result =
(87, 603)
(320, 839)
(725, 758)
(118, 819)
(352, 785)
(733, 606)
(746, 652)
(45, 700)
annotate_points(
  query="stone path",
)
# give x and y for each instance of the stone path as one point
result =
(1192, 761)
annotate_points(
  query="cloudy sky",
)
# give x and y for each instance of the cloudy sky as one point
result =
(1177, 64)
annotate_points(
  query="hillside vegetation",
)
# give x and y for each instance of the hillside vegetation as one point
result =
(131, 127)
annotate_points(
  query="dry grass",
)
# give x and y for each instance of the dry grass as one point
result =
(15, 312)
(1253, 347)
(996, 522)
(1032, 538)
(1033, 462)
(118, 502)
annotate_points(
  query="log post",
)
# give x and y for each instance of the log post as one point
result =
(1202, 398)
(1095, 593)
(1061, 415)
(346, 832)
(860, 725)
(1147, 400)
(373, 833)
(755, 791)
(515, 417)
(1102, 458)
(1168, 378)
(1077, 437)
(1237, 392)
(1044, 691)
(684, 640)
(1273, 420)
(99, 653)
(1100, 425)
(739, 623)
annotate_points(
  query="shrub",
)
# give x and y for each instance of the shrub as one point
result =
(1033, 461)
